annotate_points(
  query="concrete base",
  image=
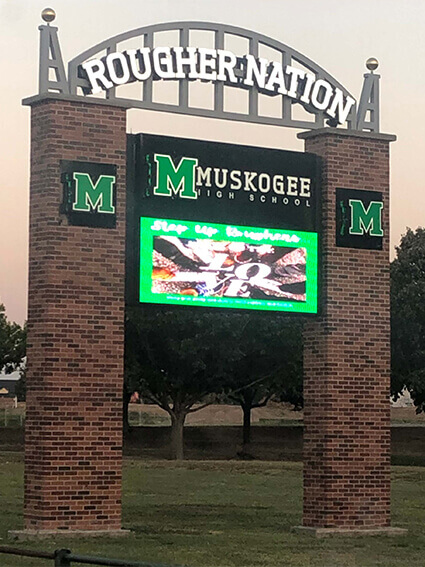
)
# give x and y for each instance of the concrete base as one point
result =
(346, 532)
(28, 535)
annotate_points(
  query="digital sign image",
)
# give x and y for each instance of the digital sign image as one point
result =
(216, 265)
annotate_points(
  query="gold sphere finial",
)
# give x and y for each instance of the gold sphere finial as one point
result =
(372, 64)
(48, 15)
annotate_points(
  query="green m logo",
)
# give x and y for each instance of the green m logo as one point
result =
(98, 197)
(366, 220)
(178, 180)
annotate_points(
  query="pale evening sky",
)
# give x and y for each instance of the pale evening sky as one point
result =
(339, 35)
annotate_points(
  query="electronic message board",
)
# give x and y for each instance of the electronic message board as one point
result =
(221, 225)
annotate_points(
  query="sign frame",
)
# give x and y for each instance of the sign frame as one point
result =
(134, 145)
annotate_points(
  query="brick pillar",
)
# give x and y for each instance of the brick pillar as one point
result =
(75, 328)
(347, 352)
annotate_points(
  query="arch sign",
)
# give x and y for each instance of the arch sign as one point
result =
(284, 73)
(139, 219)
(217, 65)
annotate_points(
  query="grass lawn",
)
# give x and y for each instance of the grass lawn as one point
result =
(225, 514)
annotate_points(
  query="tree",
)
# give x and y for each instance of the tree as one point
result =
(266, 363)
(132, 372)
(177, 359)
(408, 317)
(21, 385)
(12, 343)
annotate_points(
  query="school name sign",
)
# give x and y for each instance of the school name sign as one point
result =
(188, 179)
(218, 65)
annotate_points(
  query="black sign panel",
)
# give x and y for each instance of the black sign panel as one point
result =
(220, 225)
(359, 219)
(89, 193)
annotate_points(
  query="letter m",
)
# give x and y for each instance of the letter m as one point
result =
(89, 196)
(366, 220)
(180, 180)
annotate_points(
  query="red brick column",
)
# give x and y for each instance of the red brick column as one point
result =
(347, 352)
(75, 328)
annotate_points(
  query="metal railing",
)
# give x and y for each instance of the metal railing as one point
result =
(65, 558)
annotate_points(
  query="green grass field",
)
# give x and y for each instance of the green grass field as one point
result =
(224, 514)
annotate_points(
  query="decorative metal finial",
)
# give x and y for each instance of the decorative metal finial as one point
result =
(372, 64)
(48, 15)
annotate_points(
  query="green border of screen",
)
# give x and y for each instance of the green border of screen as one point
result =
(308, 240)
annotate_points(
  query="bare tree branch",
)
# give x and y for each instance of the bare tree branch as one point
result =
(232, 392)
(263, 403)
(162, 403)
(202, 406)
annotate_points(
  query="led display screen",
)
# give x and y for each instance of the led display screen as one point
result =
(223, 226)
(216, 265)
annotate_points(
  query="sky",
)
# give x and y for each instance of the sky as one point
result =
(338, 35)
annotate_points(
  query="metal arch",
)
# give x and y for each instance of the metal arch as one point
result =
(220, 30)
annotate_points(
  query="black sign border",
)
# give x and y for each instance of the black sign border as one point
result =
(133, 244)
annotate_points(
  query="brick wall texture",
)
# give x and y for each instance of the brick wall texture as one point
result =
(347, 355)
(75, 329)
